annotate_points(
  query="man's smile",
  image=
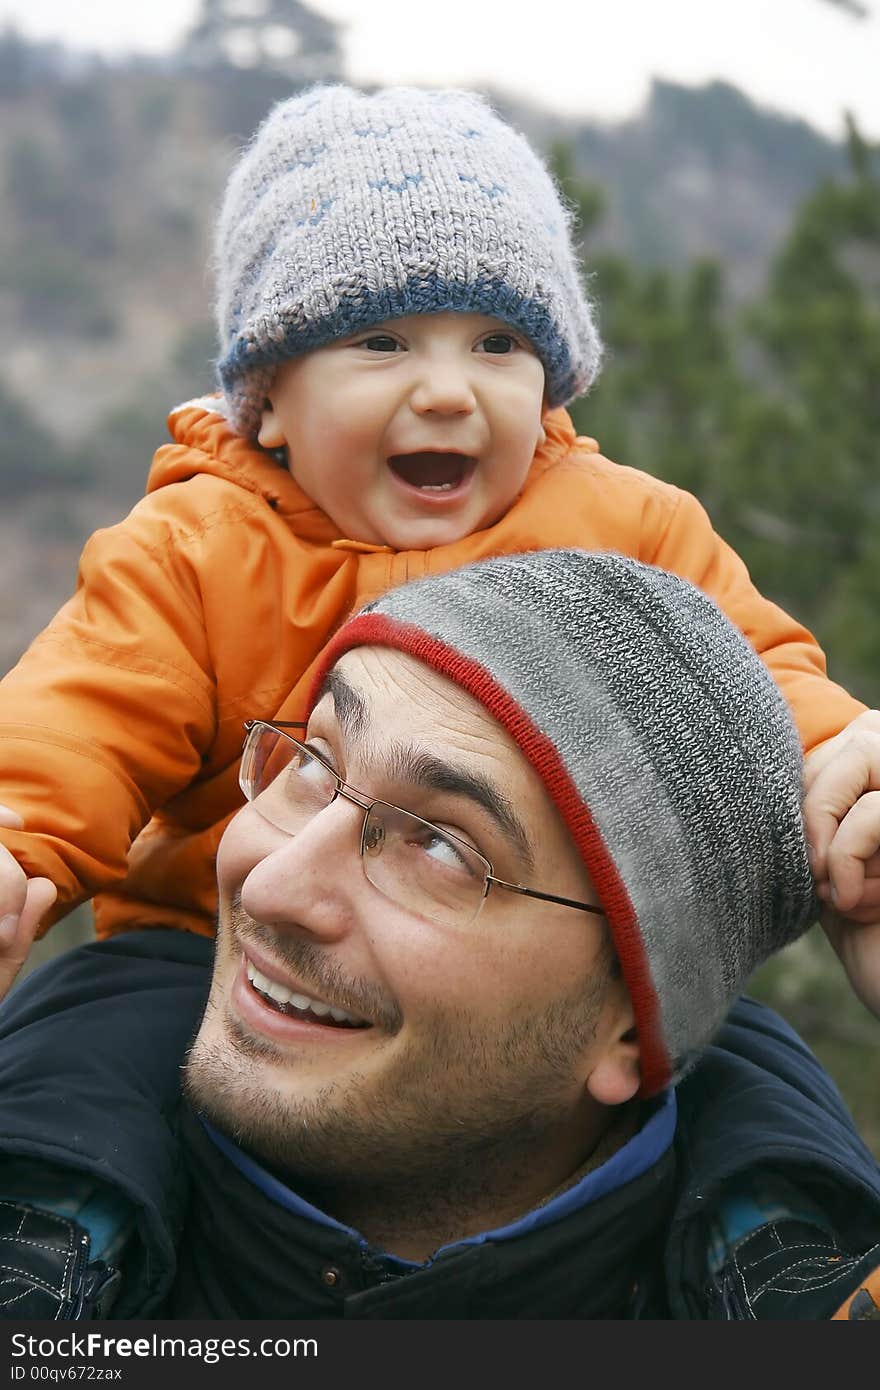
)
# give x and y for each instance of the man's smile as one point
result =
(288, 1023)
(286, 1001)
(288, 990)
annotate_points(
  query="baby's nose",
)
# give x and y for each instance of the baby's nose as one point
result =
(444, 389)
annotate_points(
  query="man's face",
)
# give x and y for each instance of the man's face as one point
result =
(414, 432)
(467, 1042)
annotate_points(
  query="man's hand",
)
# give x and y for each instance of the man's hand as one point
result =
(23, 902)
(842, 821)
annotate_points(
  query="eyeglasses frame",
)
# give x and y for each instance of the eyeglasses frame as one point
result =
(365, 804)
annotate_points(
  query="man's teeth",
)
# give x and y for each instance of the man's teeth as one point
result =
(282, 995)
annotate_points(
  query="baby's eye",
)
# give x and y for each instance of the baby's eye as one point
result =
(380, 342)
(499, 343)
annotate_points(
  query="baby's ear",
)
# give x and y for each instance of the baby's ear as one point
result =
(270, 435)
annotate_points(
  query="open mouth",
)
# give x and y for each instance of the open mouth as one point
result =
(432, 472)
(294, 1005)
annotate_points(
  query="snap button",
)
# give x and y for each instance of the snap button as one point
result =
(330, 1276)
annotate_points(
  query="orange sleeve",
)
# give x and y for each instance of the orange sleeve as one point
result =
(691, 547)
(109, 712)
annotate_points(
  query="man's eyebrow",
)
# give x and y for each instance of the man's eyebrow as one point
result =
(425, 770)
(349, 705)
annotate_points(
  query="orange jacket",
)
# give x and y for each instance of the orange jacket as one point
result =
(121, 726)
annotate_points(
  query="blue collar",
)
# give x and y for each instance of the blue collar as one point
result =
(639, 1154)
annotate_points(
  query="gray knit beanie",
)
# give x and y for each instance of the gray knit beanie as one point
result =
(664, 743)
(350, 208)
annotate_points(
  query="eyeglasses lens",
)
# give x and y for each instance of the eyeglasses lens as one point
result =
(418, 867)
(285, 782)
(408, 859)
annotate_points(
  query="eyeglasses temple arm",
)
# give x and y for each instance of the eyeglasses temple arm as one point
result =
(545, 897)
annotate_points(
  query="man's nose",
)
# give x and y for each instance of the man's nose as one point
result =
(443, 388)
(312, 880)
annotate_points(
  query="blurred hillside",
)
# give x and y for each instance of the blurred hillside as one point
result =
(735, 258)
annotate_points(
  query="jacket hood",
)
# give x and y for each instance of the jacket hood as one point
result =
(206, 443)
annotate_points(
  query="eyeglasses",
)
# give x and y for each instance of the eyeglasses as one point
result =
(413, 862)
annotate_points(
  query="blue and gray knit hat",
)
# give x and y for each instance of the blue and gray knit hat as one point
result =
(349, 208)
(663, 742)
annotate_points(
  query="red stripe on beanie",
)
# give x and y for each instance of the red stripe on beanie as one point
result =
(373, 629)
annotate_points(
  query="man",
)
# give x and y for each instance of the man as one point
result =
(474, 930)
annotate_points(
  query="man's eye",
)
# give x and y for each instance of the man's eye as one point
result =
(444, 852)
(380, 342)
(499, 343)
(307, 769)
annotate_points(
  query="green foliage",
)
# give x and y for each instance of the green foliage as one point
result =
(770, 414)
(585, 200)
(819, 329)
(806, 983)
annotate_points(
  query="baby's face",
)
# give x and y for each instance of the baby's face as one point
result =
(414, 432)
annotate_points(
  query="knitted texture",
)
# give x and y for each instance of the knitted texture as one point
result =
(350, 208)
(666, 747)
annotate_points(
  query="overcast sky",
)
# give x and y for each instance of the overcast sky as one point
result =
(589, 57)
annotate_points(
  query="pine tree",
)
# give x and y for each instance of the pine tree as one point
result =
(280, 36)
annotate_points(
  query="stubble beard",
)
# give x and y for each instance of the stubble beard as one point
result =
(450, 1123)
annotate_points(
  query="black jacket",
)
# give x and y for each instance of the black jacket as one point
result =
(90, 1051)
(587, 1265)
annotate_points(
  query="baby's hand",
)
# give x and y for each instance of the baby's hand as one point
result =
(23, 901)
(842, 821)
